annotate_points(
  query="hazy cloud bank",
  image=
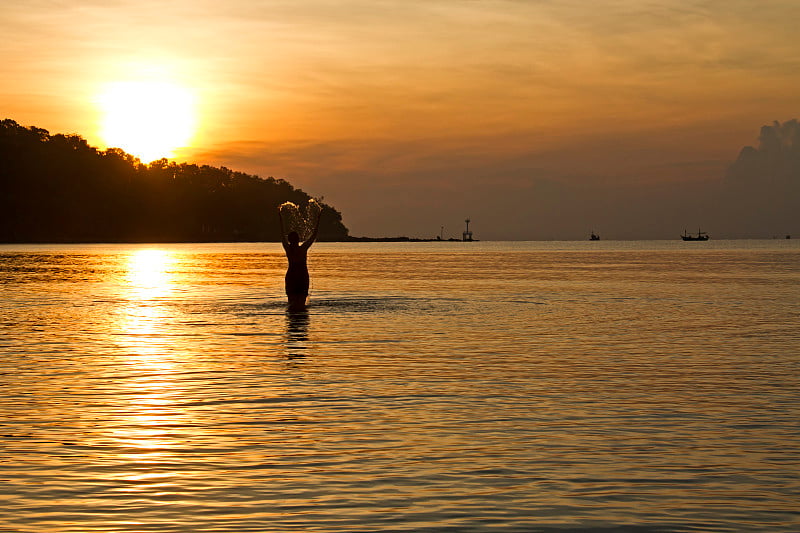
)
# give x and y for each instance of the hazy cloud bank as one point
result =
(623, 188)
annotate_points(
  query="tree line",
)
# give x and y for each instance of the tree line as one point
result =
(58, 188)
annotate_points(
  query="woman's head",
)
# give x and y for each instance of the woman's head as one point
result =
(293, 237)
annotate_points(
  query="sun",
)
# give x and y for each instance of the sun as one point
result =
(148, 119)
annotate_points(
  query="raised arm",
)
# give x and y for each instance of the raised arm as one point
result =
(313, 237)
(284, 241)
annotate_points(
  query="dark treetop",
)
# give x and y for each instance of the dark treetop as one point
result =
(57, 188)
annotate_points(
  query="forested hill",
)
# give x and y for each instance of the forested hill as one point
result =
(57, 188)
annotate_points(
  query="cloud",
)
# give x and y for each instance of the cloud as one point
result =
(776, 160)
(760, 194)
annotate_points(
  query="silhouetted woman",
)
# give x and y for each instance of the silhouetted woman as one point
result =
(297, 279)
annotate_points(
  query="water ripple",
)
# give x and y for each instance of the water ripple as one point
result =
(506, 388)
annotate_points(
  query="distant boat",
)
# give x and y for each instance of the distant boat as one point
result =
(701, 236)
(594, 237)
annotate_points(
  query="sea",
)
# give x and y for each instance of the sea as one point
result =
(636, 386)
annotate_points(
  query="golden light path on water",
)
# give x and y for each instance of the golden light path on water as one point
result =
(139, 428)
(155, 427)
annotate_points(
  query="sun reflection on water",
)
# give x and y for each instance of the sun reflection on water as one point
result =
(145, 325)
(149, 274)
(144, 320)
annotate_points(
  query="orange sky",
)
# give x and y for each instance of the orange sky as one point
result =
(388, 109)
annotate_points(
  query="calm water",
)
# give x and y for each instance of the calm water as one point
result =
(634, 386)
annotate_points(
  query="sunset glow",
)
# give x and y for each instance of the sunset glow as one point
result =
(403, 104)
(149, 119)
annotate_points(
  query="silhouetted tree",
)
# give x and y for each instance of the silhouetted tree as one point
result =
(57, 188)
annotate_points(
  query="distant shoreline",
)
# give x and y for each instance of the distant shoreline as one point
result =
(348, 239)
(365, 240)
(402, 239)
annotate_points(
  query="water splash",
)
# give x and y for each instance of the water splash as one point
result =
(300, 219)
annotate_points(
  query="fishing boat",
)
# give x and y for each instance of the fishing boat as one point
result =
(594, 237)
(701, 236)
